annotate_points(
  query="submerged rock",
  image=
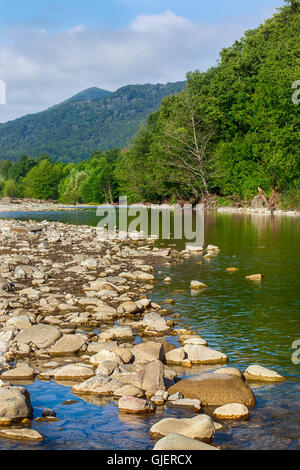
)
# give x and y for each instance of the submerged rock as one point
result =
(21, 434)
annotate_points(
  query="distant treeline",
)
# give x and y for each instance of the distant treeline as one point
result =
(231, 130)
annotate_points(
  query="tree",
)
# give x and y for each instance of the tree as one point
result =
(42, 181)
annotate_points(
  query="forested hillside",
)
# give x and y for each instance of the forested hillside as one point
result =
(92, 120)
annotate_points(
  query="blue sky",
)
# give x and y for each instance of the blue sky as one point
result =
(50, 50)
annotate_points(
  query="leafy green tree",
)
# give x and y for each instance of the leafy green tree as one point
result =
(42, 181)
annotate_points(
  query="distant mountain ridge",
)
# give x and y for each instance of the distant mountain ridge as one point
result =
(94, 119)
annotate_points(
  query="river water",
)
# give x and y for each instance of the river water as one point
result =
(253, 323)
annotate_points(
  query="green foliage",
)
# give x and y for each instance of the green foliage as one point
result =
(9, 189)
(232, 129)
(42, 181)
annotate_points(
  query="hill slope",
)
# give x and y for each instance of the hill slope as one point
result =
(94, 119)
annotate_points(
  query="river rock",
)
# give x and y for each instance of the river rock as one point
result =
(231, 411)
(20, 322)
(196, 285)
(73, 372)
(187, 403)
(254, 277)
(128, 307)
(41, 335)
(198, 354)
(118, 333)
(67, 345)
(21, 434)
(21, 372)
(257, 372)
(176, 441)
(215, 389)
(14, 404)
(148, 352)
(228, 371)
(135, 405)
(201, 427)
(129, 390)
(106, 368)
(151, 376)
(105, 355)
(195, 340)
(175, 356)
(153, 321)
(98, 385)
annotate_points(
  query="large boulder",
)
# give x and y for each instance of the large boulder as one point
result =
(175, 356)
(201, 427)
(41, 335)
(67, 345)
(177, 441)
(148, 352)
(14, 404)
(215, 389)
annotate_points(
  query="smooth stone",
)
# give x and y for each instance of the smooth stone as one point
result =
(150, 376)
(177, 441)
(21, 372)
(254, 277)
(257, 372)
(195, 285)
(196, 341)
(135, 405)
(148, 352)
(229, 370)
(201, 427)
(41, 335)
(14, 403)
(73, 372)
(117, 333)
(187, 403)
(129, 390)
(153, 321)
(98, 385)
(175, 356)
(215, 389)
(198, 354)
(106, 368)
(67, 345)
(21, 434)
(231, 411)
(104, 356)
(128, 307)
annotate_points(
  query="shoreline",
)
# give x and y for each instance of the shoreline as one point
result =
(44, 206)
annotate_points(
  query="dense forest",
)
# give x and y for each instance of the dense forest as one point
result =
(232, 129)
(92, 120)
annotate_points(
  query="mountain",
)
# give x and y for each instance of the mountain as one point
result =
(94, 119)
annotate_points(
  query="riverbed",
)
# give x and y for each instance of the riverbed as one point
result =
(251, 322)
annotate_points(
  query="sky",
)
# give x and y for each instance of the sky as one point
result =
(50, 50)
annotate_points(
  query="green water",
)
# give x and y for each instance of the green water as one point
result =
(253, 323)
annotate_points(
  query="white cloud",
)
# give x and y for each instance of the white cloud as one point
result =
(42, 68)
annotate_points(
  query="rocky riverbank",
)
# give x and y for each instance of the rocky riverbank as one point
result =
(76, 307)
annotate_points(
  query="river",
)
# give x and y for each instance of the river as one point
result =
(253, 323)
